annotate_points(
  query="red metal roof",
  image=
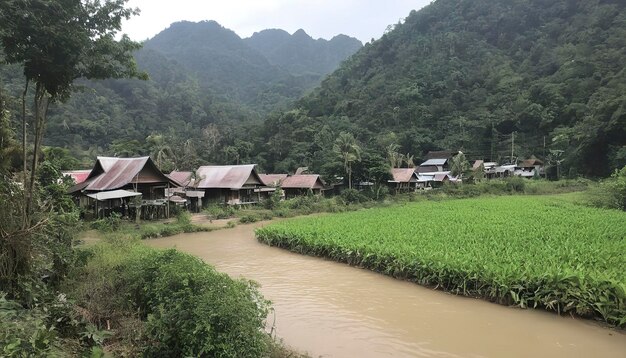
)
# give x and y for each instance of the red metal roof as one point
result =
(227, 176)
(272, 179)
(403, 175)
(114, 173)
(78, 176)
(303, 181)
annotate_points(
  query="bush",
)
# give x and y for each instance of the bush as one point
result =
(25, 333)
(611, 193)
(274, 200)
(515, 184)
(183, 218)
(184, 307)
(248, 219)
(216, 212)
(108, 224)
(352, 196)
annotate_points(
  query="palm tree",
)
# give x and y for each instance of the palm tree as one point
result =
(160, 150)
(349, 151)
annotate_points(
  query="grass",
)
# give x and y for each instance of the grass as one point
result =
(115, 227)
(527, 251)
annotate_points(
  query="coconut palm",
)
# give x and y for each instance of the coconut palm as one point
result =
(349, 151)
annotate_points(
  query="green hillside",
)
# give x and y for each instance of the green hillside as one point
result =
(481, 76)
(205, 85)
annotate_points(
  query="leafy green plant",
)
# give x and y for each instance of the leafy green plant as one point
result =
(528, 251)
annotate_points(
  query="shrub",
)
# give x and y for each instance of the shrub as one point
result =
(515, 184)
(248, 219)
(109, 223)
(216, 212)
(352, 196)
(184, 307)
(274, 200)
(183, 218)
(25, 333)
(611, 193)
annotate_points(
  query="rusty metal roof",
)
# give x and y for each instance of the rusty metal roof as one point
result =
(403, 175)
(113, 173)
(303, 181)
(227, 176)
(272, 179)
(181, 178)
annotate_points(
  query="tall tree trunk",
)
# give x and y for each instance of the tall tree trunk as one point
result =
(24, 159)
(349, 176)
(41, 111)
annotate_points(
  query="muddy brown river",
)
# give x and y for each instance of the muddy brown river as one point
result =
(333, 310)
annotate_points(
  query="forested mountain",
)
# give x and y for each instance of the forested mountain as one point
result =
(300, 54)
(205, 84)
(265, 72)
(482, 76)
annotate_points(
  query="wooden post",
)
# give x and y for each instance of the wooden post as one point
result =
(168, 201)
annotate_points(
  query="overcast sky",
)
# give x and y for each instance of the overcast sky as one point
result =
(363, 19)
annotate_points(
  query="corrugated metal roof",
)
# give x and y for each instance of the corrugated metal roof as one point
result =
(441, 177)
(434, 162)
(478, 163)
(403, 175)
(301, 170)
(181, 178)
(440, 154)
(303, 181)
(119, 172)
(114, 194)
(530, 163)
(227, 176)
(78, 176)
(272, 179)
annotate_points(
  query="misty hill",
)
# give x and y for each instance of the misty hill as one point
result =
(476, 76)
(250, 71)
(300, 53)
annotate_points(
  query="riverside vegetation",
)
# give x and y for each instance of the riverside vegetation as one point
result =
(527, 251)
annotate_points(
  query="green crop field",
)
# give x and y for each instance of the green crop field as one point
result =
(517, 250)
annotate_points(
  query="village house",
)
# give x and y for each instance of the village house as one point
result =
(229, 184)
(273, 180)
(404, 180)
(529, 168)
(436, 162)
(114, 184)
(302, 184)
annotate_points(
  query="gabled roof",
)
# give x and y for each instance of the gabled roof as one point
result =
(111, 173)
(403, 175)
(78, 176)
(441, 154)
(272, 179)
(303, 181)
(227, 176)
(181, 178)
(529, 163)
(478, 163)
(441, 177)
(434, 162)
(301, 170)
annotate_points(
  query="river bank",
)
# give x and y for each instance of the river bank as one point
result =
(332, 310)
